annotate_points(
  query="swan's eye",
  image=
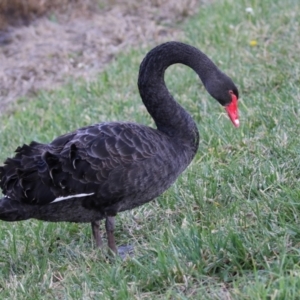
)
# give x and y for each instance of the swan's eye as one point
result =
(235, 93)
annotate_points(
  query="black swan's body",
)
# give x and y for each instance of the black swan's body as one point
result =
(97, 171)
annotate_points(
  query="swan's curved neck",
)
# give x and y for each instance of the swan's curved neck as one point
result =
(169, 116)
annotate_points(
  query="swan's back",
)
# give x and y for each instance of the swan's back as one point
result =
(120, 165)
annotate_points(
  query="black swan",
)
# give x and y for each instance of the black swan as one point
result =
(97, 171)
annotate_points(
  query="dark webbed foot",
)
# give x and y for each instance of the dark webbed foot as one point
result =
(125, 250)
(97, 234)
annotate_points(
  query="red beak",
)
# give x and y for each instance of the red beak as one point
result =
(232, 110)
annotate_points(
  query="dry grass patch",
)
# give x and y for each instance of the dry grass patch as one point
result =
(22, 12)
(76, 38)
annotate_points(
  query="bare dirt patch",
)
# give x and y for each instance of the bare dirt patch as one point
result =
(77, 38)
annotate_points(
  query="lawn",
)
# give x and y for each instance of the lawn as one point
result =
(229, 227)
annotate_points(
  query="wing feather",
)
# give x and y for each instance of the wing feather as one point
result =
(100, 159)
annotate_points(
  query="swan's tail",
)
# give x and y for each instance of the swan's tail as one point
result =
(11, 210)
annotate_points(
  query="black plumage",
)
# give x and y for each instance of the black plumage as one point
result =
(107, 168)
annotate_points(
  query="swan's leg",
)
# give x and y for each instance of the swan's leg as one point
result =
(122, 251)
(110, 228)
(96, 233)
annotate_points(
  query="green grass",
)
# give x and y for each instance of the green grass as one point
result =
(229, 227)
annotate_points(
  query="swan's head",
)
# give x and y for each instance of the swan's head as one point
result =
(221, 87)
